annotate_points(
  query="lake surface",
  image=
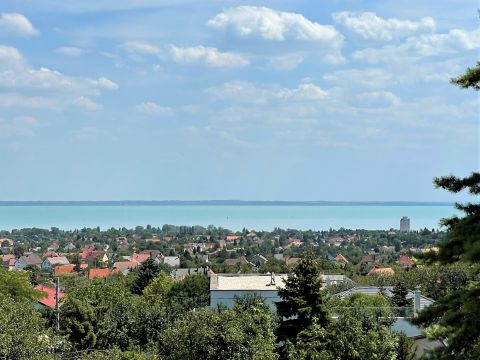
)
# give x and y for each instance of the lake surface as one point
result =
(256, 217)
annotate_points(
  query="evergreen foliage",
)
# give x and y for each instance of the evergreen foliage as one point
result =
(302, 307)
(454, 317)
(145, 273)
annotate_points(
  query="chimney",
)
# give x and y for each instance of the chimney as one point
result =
(416, 301)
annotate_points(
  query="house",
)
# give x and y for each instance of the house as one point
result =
(173, 261)
(69, 247)
(232, 262)
(96, 257)
(341, 259)
(294, 242)
(367, 260)
(405, 262)
(232, 238)
(151, 253)
(224, 288)
(24, 261)
(6, 240)
(421, 343)
(259, 260)
(55, 246)
(51, 262)
(49, 299)
(125, 266)
(8, 261)
(252, 236)
(99, 273)
(139, 258)
(382, 271)
(49, 253)
(64, 269)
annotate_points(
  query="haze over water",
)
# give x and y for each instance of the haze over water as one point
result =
(257, 217)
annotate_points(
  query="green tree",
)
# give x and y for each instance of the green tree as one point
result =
(245, 332)
(302, 304)
(16, 285)
(454, 317)
(145, 273)
(362, 330)
(399, 296)
(159, 288)
(22, 332)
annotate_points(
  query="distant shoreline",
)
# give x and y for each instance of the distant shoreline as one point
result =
(223, 203)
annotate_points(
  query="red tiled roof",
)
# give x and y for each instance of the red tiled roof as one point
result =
(62, 260)
(405, 260)
(49, 299)
(102, 273)
(64, 269)
(119, 265)
(381, 271)
(341, 258)
(140, 258)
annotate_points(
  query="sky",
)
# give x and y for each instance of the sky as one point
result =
(260, 100)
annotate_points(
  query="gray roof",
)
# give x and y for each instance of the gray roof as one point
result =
(375, 290)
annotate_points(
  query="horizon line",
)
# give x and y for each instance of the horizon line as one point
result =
(222, 202)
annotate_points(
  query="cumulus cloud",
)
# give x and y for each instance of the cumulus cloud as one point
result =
(208, 56)
(278, 34)
(269, 24)
(372, 27)
(70, 51)
(286, 62)
(141, 47)
(16, 25)
(86, 103)
(105, 83)
(153, 109)
(425, 45)
(377, 99)
(63, 90)
(247, 92)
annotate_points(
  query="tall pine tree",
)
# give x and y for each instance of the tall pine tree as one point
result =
(303, 306)
(454, 318)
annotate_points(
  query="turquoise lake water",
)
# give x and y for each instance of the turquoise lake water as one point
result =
(231, 217)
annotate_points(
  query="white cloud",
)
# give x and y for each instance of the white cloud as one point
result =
(141, 47)
(70, 51)
(269, 24)
(62, 90)
(10, 57)
(19, 126)
(105, 83)
(86, 103)
(416, 47)
(153, 109)
(208, 56)
(246, 92)
(377, 99)
(28, 102)
(368, 78)
(372, 27)
(16, 24)
(286, 62)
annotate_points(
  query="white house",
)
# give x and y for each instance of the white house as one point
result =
(51, 262)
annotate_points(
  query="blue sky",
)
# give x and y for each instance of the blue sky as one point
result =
(259, 100)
